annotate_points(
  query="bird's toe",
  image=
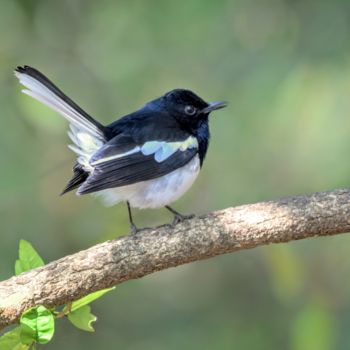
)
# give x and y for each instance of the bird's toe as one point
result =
(180, 218)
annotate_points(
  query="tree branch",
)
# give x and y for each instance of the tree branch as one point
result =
(129, 257)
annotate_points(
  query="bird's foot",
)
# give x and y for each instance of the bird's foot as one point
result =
(133, 229)
(180, 218)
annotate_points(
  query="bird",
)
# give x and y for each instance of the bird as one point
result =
(148, 158)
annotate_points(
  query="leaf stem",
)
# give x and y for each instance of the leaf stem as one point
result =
(65, 311)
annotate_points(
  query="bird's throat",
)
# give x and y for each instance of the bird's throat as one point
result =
(203, 135)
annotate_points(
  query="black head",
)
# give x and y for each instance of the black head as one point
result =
(187, 107)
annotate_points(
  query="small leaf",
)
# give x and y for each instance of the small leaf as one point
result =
(38, 325)
(89, 298)
(82, 318)
(12, 341)
(28, 258)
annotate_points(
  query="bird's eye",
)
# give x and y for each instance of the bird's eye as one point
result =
(190, 110)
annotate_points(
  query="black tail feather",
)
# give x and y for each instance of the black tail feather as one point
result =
(78, 178)
(34, 73)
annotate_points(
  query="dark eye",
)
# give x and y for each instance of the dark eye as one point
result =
(190, 110)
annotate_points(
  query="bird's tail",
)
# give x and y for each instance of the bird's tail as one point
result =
(42, 89)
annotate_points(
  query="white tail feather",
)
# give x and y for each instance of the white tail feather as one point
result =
(84, 146)
(87, 137)
(40, 92)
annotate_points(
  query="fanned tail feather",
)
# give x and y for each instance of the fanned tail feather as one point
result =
(87, 134)
(42, 89)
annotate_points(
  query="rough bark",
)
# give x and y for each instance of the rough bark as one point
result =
(130, 257)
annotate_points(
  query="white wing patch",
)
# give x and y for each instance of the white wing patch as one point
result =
(116, 156)
(162, 150)
(151, 147)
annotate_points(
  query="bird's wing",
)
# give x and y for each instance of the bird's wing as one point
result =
(122, 161)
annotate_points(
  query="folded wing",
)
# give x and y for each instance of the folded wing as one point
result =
(122, 162)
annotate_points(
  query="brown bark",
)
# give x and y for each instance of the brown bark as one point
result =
(129, 257)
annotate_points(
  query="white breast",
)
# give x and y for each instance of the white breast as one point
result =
(155, 193)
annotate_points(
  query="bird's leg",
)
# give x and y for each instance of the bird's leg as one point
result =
(133, 227)
(177, 216)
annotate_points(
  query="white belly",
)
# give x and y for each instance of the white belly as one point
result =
(157, 192)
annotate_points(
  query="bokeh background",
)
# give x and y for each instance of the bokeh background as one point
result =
(284, 66)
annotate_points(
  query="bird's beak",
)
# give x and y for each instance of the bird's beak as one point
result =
(214, 106)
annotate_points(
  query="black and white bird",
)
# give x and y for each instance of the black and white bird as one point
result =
(148, 158)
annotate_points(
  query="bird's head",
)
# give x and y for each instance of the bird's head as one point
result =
(187, 107)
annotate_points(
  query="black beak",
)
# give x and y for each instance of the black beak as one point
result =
(213, 106)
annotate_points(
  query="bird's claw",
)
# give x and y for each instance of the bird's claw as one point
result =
(133, 229)
(180, 218)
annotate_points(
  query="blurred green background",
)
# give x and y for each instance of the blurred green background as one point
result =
(284, 66)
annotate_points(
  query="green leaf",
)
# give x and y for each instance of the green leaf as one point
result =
(28, 258)
(38, 325)
(12, 341)
(89, 298)
(82, 318)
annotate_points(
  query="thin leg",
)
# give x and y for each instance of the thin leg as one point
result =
(177, 216)
(133, 227)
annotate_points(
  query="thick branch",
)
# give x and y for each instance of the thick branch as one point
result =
(129, 257)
